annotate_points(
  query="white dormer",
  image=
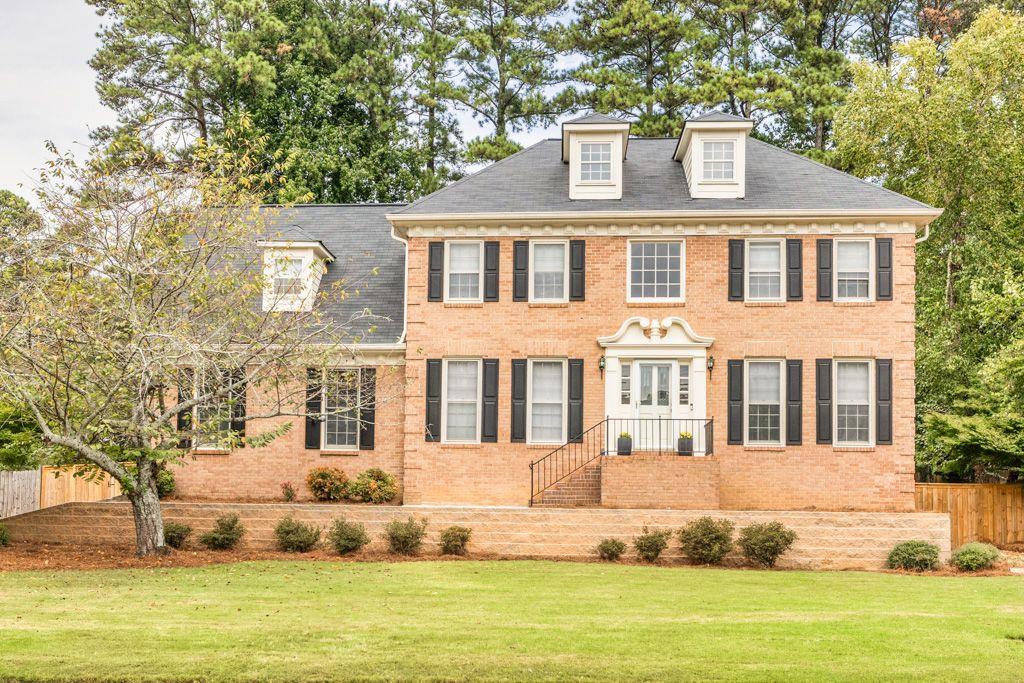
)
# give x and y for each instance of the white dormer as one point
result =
(291, 273)
(594, 146)
(713, 151)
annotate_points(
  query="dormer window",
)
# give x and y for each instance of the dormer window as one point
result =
(718, 159)
(287, 278)
(596, 162)
(292, 273)
(713, 150)
(594, 147)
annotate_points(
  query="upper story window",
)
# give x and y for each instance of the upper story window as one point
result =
(549, 264)
(464, 261)
(764, 402)
(596, 162)
(853, 270)
(287, 277)
(292, 271)
(719, 160)
(547, 410)
(853, 402)
(764, 270)
(462, 397)
(656, 270)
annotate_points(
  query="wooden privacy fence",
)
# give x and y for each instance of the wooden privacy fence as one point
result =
(19, 492)
(30, 490)
(993, 513)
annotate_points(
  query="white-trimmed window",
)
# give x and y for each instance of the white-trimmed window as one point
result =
(341, 401)
(656, 270)
(719, 157)
(684, 384)
(549, 266)
(287, 281)
(764, 402)
(596, 162)
(765, 264)
(547, 389)
(463, 384)
(854, 264)
(853, 402)
(463, 264)
(212, 419)
(626, 383)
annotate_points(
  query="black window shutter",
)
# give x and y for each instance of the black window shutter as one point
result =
(185, 392)
(883, 268)
(736, 270)
(367, 408)
(575, 400)
(313, 394)
(824, 270)
(518, 400)
(435, 274)
(735, 415)
(794, 402)
(577, 270)
(794, 270)
(492, 253)
(823, 398)
(883, 400)
(489, 431)
(520, 271)
(238, 396)
(433, 426)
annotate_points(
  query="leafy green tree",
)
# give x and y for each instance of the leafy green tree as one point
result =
(943, 126)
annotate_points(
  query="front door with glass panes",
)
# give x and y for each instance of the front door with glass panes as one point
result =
(654, 405)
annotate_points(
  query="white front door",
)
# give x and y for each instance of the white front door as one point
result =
(654, 405)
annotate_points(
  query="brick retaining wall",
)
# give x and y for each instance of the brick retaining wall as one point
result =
(826, 540)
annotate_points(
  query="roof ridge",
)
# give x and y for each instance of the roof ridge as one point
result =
(329, 204)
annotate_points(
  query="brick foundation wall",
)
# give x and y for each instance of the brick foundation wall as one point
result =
(825, 540)
(659, 481)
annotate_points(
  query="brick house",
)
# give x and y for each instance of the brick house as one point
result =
(744, 314)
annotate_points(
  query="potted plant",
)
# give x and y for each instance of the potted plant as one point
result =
(625, 445)
(685, 444)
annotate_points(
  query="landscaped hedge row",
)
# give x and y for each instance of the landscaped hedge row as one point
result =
(707, 540)
(921, 556)
(330, 485)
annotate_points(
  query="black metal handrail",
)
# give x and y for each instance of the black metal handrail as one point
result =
(647, 435)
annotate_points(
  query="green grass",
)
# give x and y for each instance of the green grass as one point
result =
(505, 620)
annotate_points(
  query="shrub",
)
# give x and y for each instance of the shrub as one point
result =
(763, 544)
(373, 486)
(346, 537)
(176, 534)
(650, 544)
(165, 484)
(296, 537)
(5, 536)
(225, 535)
(454, 540)
(405, 537)
(973, 557)
(914, 555)
(287, 491)
(327, 483)
(706, 540)
(610, 549)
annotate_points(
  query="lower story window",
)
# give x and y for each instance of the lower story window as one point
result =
(547, 401)
(212, 418)
(626, 384)
(764, 402)
(462, 400)
(853, 402)
(341, 410)
(684, 384)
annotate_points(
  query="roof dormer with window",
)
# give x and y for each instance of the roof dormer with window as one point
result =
(594, 147)
(713, 151)
(292, 271)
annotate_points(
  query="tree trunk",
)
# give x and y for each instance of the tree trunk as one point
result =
(149, 522)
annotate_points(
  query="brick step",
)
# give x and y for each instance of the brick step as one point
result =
(581, 489)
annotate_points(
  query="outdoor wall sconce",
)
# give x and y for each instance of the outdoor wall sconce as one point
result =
(600, 365)
(711, 364)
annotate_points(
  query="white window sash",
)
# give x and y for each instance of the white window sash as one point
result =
(205, 440)
(870, 401)
(779, 402)
(530, 403)
(326, 408)
(656, 299)
(448, 272)
(749, 271)
(600, 165)
(565, 272)
(478, 402)
(870, 271)
(725, 165)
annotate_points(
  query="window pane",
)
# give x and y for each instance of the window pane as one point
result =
(549, 271)
(341, 399)
(464, 257)
(547, 381)
(462, 380)
(853, 256)
(596, 161)
(765, 256)
(646, 385)
(763, 382)
(852, 424)
(288, 277)
(718, 160)
(852, 382)
(763, 423)
(461, 424)
(655, 270)
(663, 384)
(684, 384)
(546, 401)
(626, 384)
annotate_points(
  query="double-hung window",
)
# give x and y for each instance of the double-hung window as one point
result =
(212, 417)
(596, 162)
(853, 402)
(719, 159)
(549, 263)
(287, 278)
(462, 390)
(465, 260)
(656, 270)
(764, 402)
(853, 270)
(547, 410)
(341, 401)
(764, 270)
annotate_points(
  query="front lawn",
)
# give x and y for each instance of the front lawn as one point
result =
(292, 621)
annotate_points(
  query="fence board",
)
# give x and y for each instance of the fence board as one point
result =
(19, 492)
(993, 513)
(58, 486)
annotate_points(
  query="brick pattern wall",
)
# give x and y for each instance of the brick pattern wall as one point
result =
(825, 540)
(660, 481)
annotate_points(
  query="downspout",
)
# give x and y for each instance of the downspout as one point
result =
(927, 232)
(405, 283)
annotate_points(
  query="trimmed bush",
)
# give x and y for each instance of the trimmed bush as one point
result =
(650, 544)
(454, 540)
(296, 537)
(225, 535)
(972, 557)
(327, 484)
(5, 536)
(165, 484)
(763, 544)
(916, 556)
(373, 486)
(176, 534)
(610, 549)
(706, 540)
(347, 537)
(405, 538)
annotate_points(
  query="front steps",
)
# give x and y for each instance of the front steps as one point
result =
(581, 489)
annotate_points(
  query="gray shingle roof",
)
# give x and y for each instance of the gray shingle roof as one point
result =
(717, 116)
(536, 180)
(359, 236)
(597, 118)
